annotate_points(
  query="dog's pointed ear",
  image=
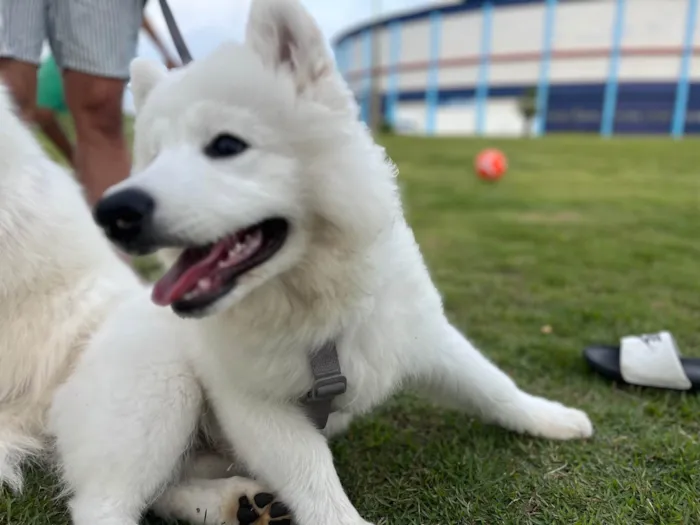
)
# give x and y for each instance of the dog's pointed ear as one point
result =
(283, 33)
(145, 74)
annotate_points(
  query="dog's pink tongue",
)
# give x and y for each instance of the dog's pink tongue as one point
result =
(184, 275)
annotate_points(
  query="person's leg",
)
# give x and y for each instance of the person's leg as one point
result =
(94, 45)
(50, 102)
(21, 37)
(20, 79)
(101, 156)
(51, 127)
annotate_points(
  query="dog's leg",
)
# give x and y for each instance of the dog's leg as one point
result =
(119, 450)
(223, 501)
(458, 375)
(337, 424)
(210, 492)
(124, 420)
(282, 447)
(116, 459)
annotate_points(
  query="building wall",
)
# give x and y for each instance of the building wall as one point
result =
(474, 67)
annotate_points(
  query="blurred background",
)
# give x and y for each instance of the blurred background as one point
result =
(507, 67)
(590, 234)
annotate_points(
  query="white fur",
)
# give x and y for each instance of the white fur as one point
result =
(351, 270)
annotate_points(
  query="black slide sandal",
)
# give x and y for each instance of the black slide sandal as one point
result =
(650, 360)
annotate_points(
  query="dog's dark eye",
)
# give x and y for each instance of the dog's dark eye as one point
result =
(225, 145)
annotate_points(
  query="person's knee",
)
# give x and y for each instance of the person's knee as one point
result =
(97, 109)
(25, 104)
(42, 116)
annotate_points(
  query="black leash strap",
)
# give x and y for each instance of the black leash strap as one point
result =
(179, 42)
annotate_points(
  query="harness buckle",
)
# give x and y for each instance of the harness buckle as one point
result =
(328, 388)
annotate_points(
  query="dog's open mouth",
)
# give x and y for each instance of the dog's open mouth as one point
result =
(204, 274)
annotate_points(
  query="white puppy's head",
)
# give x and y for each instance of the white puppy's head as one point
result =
(242, 160)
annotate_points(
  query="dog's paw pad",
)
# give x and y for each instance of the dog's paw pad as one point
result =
(263, 499)
(261, 509)
(278, 511)
(247, 514)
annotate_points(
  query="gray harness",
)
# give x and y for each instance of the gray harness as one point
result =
(329, 382)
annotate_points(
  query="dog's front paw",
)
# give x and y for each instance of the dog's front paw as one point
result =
(552, 420)
(250, 504)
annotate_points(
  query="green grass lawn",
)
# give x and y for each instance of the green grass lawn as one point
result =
(595, 239)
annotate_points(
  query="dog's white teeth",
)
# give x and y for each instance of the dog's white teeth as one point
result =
(242, 249)
(189, 295)
(254, 240)
(204, 284)
(230, 260)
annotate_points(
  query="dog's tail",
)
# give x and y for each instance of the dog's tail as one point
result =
(16, 447)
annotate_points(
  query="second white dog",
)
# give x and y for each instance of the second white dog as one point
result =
(284, 230)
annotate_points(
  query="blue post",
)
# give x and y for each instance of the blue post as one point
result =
(432, 88)
(342, 56)
(337, 48)
(546, 60)
(610, 103)
(683, 87)
(482, 85)
(367, 69)
(392, 96)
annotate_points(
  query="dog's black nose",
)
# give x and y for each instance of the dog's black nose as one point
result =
(125, 216)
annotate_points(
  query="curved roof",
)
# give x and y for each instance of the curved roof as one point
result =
(424, 12)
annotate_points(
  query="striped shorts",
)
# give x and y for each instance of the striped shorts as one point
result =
(98, 37)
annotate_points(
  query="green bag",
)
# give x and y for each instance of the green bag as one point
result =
(49, 89)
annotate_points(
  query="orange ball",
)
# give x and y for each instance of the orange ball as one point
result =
(491, 164)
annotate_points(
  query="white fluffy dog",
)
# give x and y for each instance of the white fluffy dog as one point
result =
(282, 224)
